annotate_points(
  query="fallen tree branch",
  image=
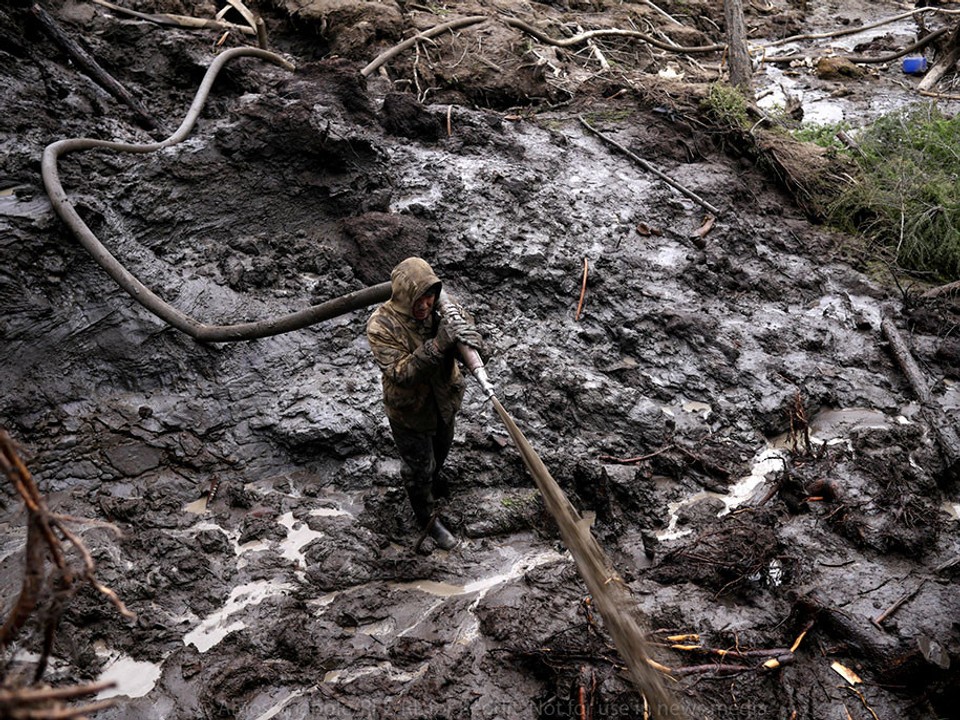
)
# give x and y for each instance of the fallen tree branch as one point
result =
(650, 168)
(946, 435)
(860, 28)
(586, 36)
(43, 528)
(948, 289)
(44, 703)
(773, 662)
(180, 21)
(864, 59)
(90, 66)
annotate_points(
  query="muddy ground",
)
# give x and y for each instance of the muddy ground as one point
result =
(675, 408)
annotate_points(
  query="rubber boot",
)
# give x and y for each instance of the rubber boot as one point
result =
(444, 539)
(421, 499)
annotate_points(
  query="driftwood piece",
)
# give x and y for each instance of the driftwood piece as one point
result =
(948, 289)
(943, 64)
(650, 168)
(946, 435)
(882, 651)
(180, 21)
(89, 65)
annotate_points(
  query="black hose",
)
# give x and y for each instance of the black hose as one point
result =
(140, 292)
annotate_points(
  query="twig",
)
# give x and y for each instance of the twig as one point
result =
(92, 67)
(58, 693)
(650, 168)
(40, 525)
(878, 620)
(44, 703)
(583, 289)
(953, 562)
(863, 699)
(630, 461)
(667, 15)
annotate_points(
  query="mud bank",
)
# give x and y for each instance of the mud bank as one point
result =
(724, 405)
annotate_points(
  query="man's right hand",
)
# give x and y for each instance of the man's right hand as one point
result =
(451, 326)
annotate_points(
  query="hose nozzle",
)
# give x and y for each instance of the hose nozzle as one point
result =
(471, 358)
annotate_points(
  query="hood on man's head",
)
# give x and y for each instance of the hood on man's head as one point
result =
(409, 280)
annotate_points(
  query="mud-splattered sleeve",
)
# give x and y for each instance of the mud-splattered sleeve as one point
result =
(401, 366)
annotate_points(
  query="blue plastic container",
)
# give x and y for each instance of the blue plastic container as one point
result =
(914, 65)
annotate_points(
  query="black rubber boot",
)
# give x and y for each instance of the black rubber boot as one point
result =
(421, 499)
(444, 539)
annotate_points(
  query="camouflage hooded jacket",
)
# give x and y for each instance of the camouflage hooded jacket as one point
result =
(420, 384)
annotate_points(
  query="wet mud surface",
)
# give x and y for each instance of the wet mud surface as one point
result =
(724, 405)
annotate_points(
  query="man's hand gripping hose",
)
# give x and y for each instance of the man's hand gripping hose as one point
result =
(469, 354)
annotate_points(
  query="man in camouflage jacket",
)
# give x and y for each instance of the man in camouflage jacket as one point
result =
(416, 349)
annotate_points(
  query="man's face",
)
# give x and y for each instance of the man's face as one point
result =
(423, 306)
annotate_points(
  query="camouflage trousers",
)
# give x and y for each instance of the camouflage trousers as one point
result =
(422, 456)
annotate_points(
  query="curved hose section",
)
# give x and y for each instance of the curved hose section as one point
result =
(140, 292)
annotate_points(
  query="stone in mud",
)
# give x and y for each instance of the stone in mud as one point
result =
(838, 68)
(133, 459)
(701, 512)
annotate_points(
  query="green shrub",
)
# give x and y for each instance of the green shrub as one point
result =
(726, 106)
(908, 196)
(823, 135)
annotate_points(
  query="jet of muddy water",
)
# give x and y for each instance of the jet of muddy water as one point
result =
(609, 593)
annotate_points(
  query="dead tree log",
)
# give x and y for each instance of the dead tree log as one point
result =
(947, 438)
(90, 66)
(741, 72)
(882, 651)
(943, 64)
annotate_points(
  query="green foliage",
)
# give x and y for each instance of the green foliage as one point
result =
(823, 135)
(726, 106)
(600, 117)
(908, 195)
